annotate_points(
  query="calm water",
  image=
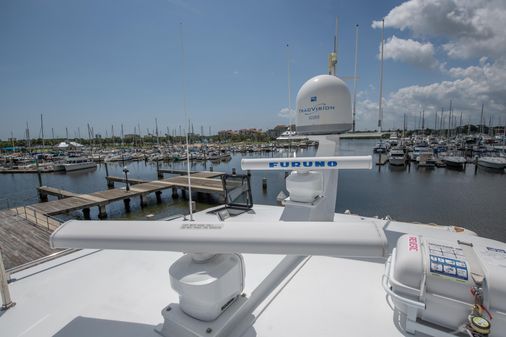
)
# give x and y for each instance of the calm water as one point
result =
(439, 195)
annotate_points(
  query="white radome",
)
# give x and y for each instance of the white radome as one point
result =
(324, 106)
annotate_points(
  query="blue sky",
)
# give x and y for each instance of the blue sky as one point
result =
(111, 62)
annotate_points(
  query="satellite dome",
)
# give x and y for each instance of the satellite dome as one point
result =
(323, 106)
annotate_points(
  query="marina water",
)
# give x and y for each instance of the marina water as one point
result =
(441, 196)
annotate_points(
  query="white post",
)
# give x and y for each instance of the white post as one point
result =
(355, 79)
(380, 119)
(4, 287)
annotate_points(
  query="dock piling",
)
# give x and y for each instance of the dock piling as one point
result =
(39, 176)
(158, 173)
(110, 183)
(126, 202)
(174, 193)
(102, 212)
(264, 183)
(158, 196)
(43, 196)
(143, 197)
(86, 213)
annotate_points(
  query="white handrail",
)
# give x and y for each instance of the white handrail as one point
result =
(385, 283)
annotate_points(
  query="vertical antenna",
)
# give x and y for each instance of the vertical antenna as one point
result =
(381, 77)
(289, 89)
(355, 78)
(186, 119)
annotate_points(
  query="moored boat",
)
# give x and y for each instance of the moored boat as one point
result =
(496, 163)
(397, 157)
(455, 162)
(78, 163)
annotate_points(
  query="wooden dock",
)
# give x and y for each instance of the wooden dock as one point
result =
(204, 174)
(204, 182)
(21, 240)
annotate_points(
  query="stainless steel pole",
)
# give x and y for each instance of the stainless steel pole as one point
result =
(4, 287)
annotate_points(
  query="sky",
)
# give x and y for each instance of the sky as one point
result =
(111, 62)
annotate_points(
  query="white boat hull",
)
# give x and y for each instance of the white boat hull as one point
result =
(79, 166)
(397, 161)
(493, 163)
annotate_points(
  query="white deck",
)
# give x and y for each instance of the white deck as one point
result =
(121, 293)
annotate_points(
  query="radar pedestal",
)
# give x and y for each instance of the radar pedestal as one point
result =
(207, 284)
(323, 112)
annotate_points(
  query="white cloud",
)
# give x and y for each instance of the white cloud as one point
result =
(472, 27)
(286, 113)
(410, 51)
(468, 88)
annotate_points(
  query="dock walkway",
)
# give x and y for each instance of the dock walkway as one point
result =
(21, 241)
(204, 182)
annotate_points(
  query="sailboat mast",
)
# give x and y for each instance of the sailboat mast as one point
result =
(156, 128)
(481, 119)
(441, 124)
(42, 129)
(355, 79)
(381, 77)
(332, 59)
(449, 120)
(27, 132)
(435, 121)
(336, 45)
(404, 126)
(460, 123)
